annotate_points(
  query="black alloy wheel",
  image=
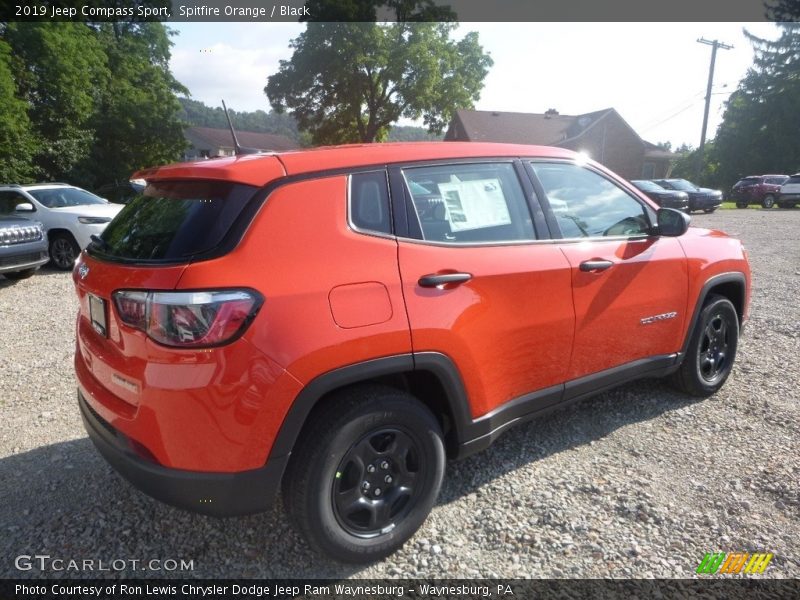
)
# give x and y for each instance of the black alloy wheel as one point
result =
(364, 473)
(63, 251)
(376, 483)
(768, 201)
(712, 349)
(712, 356)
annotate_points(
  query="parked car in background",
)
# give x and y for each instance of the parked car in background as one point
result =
(23, 245)
(69, 214)
(246, 326)
(662, 196)
(757, 189)
(121, 193)
(789, 196)
(700, 198)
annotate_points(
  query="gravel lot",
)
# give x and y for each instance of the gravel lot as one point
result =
(638, 482)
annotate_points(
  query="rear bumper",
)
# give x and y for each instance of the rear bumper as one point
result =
(216, 494)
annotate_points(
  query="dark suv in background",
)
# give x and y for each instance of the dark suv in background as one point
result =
(758, 189)
(704, 199)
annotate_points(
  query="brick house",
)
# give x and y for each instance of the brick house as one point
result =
(206, 142)
(603, 135)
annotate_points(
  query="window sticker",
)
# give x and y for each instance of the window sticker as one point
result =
(475, 204)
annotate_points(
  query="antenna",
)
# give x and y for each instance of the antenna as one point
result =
(236, 147)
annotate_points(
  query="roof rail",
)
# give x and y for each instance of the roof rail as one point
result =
(19, 185)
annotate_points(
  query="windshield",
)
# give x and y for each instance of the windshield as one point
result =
(173, 220)
(682, 184)
(747, 181)
(648, 186)
(63, 197)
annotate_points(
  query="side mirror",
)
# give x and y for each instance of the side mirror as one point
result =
(671, 222)
(24, 207)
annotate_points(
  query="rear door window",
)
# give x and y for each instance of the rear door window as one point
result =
(172, 221)
(469, 203)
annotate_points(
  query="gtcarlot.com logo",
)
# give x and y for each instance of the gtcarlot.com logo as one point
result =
(45, 562)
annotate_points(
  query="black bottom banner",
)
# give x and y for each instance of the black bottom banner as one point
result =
(387, 589)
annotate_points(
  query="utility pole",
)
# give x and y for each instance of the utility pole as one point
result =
(714, 45)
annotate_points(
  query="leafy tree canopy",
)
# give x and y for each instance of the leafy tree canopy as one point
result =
(16, 139)
(759, 131)
(349, 82)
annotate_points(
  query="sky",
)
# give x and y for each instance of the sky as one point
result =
(653, 74)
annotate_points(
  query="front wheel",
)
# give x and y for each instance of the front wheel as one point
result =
(63, 251)
(366, 473)
(768, 201)
(712, 349)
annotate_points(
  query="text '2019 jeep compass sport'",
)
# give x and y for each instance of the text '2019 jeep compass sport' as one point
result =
(339, 321)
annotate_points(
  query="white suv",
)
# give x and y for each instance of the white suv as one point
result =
(70, 215)
(790, 192)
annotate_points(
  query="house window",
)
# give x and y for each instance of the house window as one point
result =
(648, 170)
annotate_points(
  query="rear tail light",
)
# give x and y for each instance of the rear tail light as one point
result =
(189, 319)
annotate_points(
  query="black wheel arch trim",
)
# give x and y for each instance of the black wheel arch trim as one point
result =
(467, 435)
(735, 277)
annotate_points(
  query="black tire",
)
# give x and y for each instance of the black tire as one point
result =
(768, 201)
(741, 205)
(63, 251)
(712, 349)
(17, 275)
(374, 435)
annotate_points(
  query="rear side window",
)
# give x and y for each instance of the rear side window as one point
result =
(173, 221)
(794, 179)
(467, 204)
(369, 202)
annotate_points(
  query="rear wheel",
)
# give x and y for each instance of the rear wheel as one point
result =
(16, 275)
(63, 251)
(741, 205)
(712, 349)
(366, 473)
(768, 201)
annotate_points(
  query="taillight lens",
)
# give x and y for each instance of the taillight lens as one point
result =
(189, 319)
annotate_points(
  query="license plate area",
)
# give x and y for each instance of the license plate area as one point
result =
(97, 314)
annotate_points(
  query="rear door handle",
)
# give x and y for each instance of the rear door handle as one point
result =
(434, 280)
(596, 265)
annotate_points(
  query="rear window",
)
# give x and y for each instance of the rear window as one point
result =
(173, 220)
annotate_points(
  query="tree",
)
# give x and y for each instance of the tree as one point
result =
(136, 120)
(758, 133)
(15, 135)
(197, 114)
(59, 68)
(349, 82)
(783, 10)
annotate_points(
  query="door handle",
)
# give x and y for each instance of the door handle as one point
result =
(434, 280)
(596, 265)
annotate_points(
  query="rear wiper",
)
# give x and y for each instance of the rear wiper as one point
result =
(98, 241)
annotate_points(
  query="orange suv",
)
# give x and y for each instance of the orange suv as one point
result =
(337, 322)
